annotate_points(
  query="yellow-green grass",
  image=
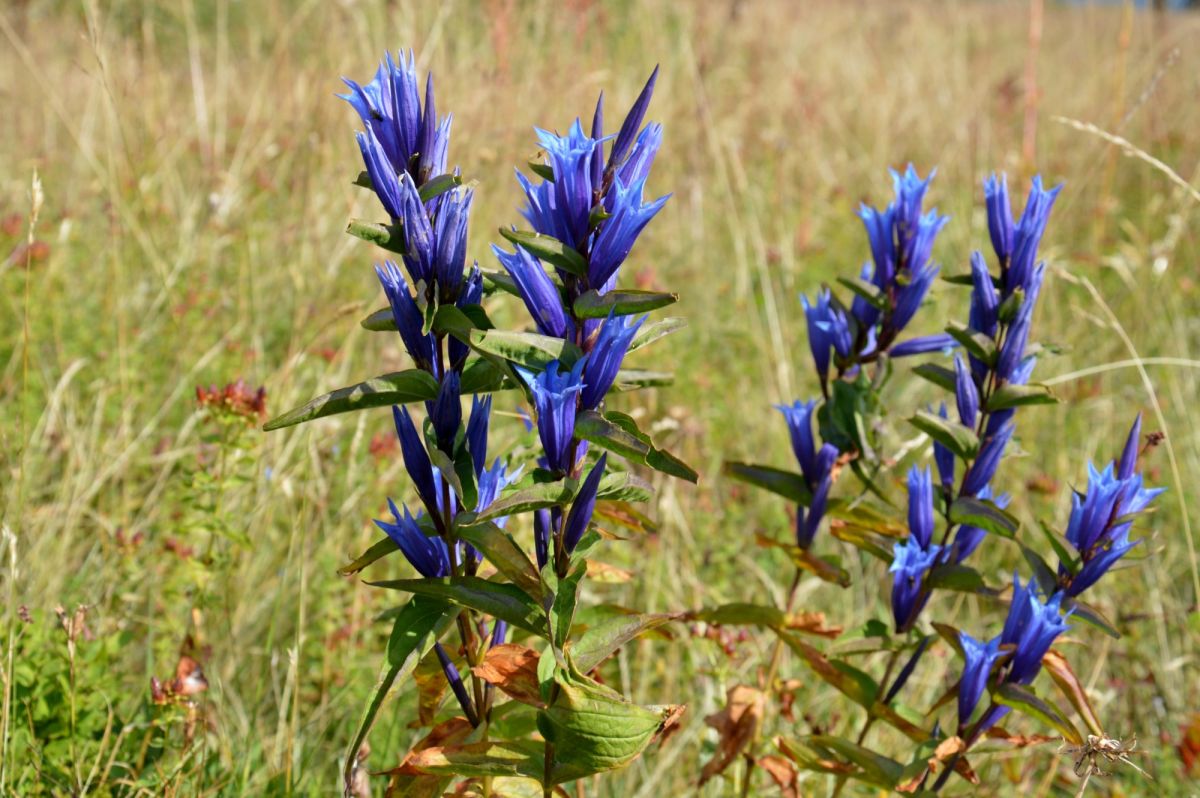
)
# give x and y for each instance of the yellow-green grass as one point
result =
(197, 176)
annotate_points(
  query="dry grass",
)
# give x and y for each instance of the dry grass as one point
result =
(196, 171)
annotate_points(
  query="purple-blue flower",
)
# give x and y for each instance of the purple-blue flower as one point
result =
(445, 412)
(539, 293)
(617, 234)
(999, 216)
(407, 316)
(581, 509)
(910, 563)
(920, 505)
(981, 471)
(490, 482)
(416, 459)
(410, 139)
(556, 398)
(1031, 628)
(604, 361)
(543, 531)
(1028, 236)
(966, 395)
(923, 345)
(944, 458)
(828, 328)
(428, 555)
(980, 658)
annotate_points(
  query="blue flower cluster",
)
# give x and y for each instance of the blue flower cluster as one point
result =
(1098, 529)
(403, 147)
(890, 289)
(593, 207)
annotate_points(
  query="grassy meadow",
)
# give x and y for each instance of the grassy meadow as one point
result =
(196, 172)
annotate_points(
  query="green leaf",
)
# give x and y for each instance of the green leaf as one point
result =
(787, 484)
(976, 343)
(624, 487)
(1046, 579)
(386, 236)
(379, 321)
(420, 623)
(593, 728)
(619, 433)
(1010, 395)
(507, 602)
(600, 640)
(649, 333)
(1025, 701)
(499, 281)
(635, 379)
(823, 568)
(938, 375)
(874, 768)
(984, 513)
(954, 436)
(378, 550)
(531, 350)
(1091, 615)
(624, 302)
(502, 551)
(867, 290)
(479, 760)
(1062, 547)
(523, 500)
(741, 614)
(401, 387)
(482, 376)
(549, 249)
(960, 578)
(436, 186)
(872, 543)
(543, 170)
(562, 611)
(841, 419)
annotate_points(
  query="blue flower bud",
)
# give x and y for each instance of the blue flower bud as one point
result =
(923, 345)
(965, 393)
(944, 458)
(407, 316)
(999, 216)
(1031, 628)
(585, 503)
(1028, 236)
(456, 683)
(477, 431)
(446, 412)
(633, 121)
(556, 397)
(1129, 455)
(920, 505)
(910, 563)
(980, 472)
(980, 658)
(416, 460)
(539, 293)
(542, 533)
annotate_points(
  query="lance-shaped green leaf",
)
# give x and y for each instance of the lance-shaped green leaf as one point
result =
(397, 388)
(506, 602)
(379, 321)
(549, 249)
(1027, 702)
(954, 436)
(873, 768)
(436, 186)
(787, 484)
(562, 609)
(867, 290)
(984, 514)
(602, 639)
(621, 302)
(649, 333)
(482, 376)
(499, 281)
(593, 728)
(1010, 395)
(1091, 615)
(938, 375)
(378, 550)
(872, 543)
(636, 379)
(502, 551)
(960, 578)
(976, 343)
(385, 236)
(623, 486)
(619, 433)
(823, 568)
(524, 500)
(420, 623)
(531, 350)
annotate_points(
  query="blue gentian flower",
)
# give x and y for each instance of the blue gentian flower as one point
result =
(1031, 628)
(407, 316)
(910, 296)
(584, 505)
(562, 208)
(966, 395)
(980, 658)
(543, 531)
(910, 563)
(633, 121)
(828, 328)
(808, 520)
(999, 216)
(799, 417)
(416, 459)
(617, 234)
(539, 293)
(490, 482)
(923, 345)
(477, 431)
(981, 471)
(1012, 351)
(920, 505)
(556, 399)
(604, 361)
(410, 140)
(384, 180)
(1102, 517)
(637, 165)
(456, 683)
(1028, 236)
(450, 240)
(428, 555)
(446, 412)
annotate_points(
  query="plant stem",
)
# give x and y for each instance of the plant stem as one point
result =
(862, 734)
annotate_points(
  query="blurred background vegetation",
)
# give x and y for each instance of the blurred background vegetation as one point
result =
(196, 171)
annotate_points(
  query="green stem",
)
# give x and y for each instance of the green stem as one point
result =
(871, 717)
